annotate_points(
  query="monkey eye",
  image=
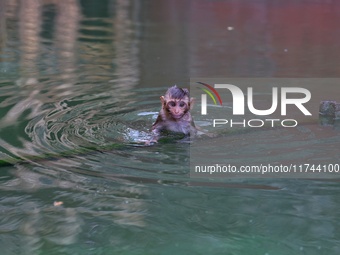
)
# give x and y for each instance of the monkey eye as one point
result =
(172, 104)
(181, 104)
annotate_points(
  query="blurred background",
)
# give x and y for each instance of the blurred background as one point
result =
(79, 90)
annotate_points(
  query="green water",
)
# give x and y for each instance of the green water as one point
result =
(79, 90)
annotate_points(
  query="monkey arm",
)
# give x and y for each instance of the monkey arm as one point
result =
(156, 130)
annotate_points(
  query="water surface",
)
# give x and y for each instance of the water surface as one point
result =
(80, 85)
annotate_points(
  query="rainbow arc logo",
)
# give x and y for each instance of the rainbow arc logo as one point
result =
(211, 91)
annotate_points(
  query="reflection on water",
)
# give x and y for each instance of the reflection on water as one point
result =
(79, 87)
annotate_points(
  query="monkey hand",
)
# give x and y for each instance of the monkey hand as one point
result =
(150, 142)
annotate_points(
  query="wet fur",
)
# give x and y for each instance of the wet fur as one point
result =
(165, 120)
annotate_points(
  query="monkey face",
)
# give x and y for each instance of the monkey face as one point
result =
(177, 108)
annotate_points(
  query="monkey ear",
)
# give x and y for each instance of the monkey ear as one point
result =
(192, 101)
(162, 99)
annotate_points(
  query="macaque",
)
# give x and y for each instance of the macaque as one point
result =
(174, 115)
